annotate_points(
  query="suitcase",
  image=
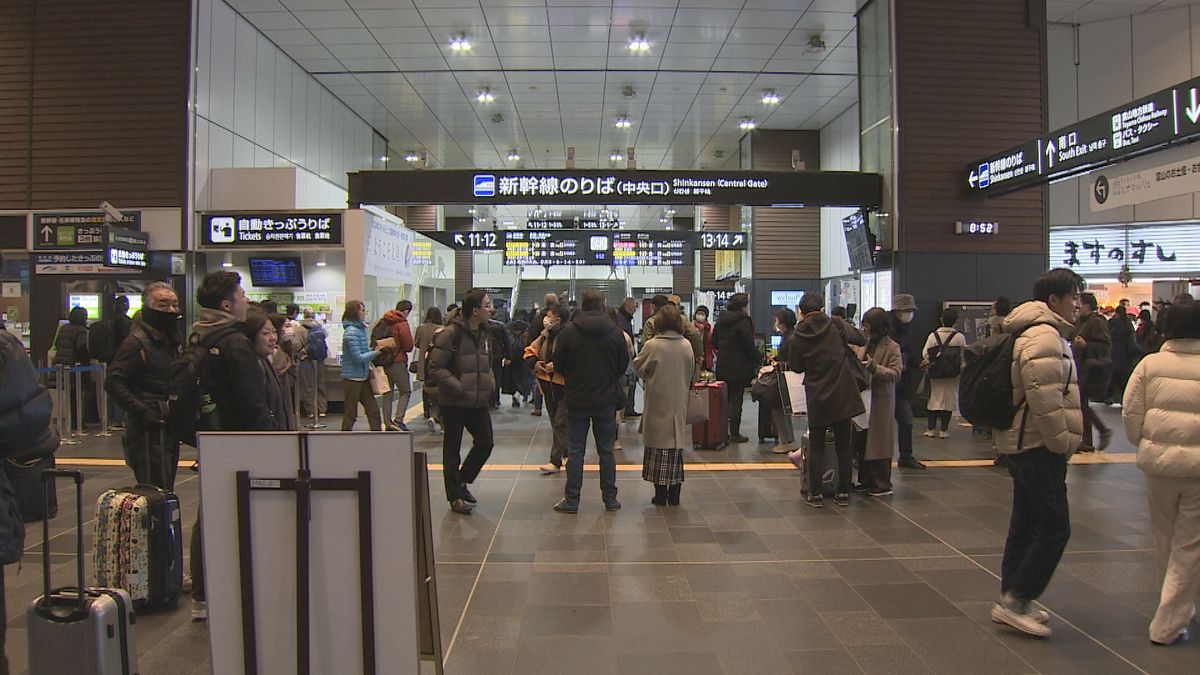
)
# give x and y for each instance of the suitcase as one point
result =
(766, 425)
(26, 480)
(139, 544)
(713, 434)
(83, 633)
(829, 474)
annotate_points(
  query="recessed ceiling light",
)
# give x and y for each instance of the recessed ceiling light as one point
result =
(615, 156)
(384, 159)
(622, 122)
(411, 156)
(485, 95)
(769, 97)
(747, 124)
(639, 43)
(514, 156)
(460, 43)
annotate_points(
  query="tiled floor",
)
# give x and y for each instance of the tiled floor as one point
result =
(742, 577)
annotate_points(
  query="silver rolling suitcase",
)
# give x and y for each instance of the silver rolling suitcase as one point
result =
(77, 630)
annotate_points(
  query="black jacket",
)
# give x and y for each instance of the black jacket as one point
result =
(231, 374)
(140, 376)
(460, 366)
(738, 358)
(25, 405)
(71, 344)
(911, 374)
(283, 416)
(817, 348)
(625, 321)
(591, 355)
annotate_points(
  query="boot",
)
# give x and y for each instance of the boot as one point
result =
(673, 494)
(660, 495)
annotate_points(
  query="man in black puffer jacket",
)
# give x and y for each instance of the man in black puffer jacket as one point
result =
(591, 355)
(25, 433)
(738, 358)
(139, 381)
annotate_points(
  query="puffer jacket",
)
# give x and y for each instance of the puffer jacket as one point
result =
(356, 352)
(1043, 374)
(738, 358)
(230, 372)
(139, 379)
(592, 355)
(71, 344)
(463, 375)
(1161, 410)
(25, 405)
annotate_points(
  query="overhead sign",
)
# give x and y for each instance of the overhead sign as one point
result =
(594, 186)
(74, 262)
(1110, 191)
(76, 230)
(683, 243)
(469, 240)
(720, 241)
(271, 229)
(1168, 116)
(1166, 250)
(587, 219)
(565, 247)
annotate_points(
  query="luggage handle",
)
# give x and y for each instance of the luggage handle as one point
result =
(49, 477)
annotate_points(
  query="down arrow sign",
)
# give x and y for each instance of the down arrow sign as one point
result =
(1193, 110)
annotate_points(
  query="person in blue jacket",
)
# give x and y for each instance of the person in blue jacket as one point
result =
(356, 368)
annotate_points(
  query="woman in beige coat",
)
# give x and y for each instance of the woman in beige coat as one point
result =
(1161, 412)
(881, 356)
(666, 365)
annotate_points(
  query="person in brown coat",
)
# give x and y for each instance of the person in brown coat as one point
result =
(881, 357)
(817, 348)
(1092, 347)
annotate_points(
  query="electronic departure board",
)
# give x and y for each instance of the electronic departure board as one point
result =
(562, 247)
(647, 249)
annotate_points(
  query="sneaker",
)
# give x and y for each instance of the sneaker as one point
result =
(1085, 447)
(460, 506)
(1105, 439)
(859, 487)
(563, 506)
(614, 505)
(199, 610)
(617, 445)
(401, 426)
(930, 434)
(738, 438)
(842, 499)
(1026, 623)
(910, 463)
(516, 403)
(880, 493)
(796, 457)
(944, 435)
(467, 496)
(632, 414)
(782, 449)
(187, 584)
(431, 424)
(815, 501)
(549, 469)
(536, 412)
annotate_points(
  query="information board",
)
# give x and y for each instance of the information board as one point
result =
(1168, 116)
(647, 249)
(271, 229)
(562, 247)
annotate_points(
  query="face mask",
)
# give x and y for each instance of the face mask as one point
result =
(905, 317)
(162, 321)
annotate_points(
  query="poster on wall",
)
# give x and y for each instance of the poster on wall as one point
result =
(388, 250)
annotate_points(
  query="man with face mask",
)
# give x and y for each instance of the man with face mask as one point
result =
(139, 382)
(904, 308)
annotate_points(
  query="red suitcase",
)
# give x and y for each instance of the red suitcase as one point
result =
(713, 434)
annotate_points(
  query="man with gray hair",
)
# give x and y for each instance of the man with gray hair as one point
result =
(139, 381)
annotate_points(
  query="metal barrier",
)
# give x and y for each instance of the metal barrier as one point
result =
(102, 401)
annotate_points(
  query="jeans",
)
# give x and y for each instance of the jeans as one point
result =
(398, 379)
(355, 392)
(904, 423)
(163, 462)
(939, 416)
(845, 453)
(556, 407)
(456, 474)
(603, 422)
(1041, 523)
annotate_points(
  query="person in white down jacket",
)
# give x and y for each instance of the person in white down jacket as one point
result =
(1161, 412)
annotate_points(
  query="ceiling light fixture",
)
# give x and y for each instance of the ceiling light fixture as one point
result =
(747, 124)
(384, 159)
(321, 260)
(622, 122)
(459, 43)
(485, 95)
(411, 156)
(639, 43)
(770, 97)
(615, 156)
(514, 156)
(228, 261)
(669, 212)
(815, 45)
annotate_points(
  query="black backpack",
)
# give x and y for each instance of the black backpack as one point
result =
(382, 329)
(945, 362)
(102, 341)
(190, 407)
(985, 392)
(317, 349)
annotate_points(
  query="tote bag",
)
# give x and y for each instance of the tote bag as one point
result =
(379, 381)
(697, 405)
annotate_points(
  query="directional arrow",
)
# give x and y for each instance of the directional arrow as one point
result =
(1050, 153)
(1193, 110)
(974, 177)
(460, 240)
(47, 234)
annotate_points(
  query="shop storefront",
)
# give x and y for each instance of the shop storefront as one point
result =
(1139, 261)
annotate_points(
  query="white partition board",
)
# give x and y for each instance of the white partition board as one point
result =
(335, 627)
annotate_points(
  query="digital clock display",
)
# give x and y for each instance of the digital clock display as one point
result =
(984, 227)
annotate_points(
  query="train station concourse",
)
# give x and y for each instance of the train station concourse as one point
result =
(599, 336)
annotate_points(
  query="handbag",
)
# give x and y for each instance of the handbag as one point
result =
(697, 405)
(857, 369)
(379, 381)
(765, 389)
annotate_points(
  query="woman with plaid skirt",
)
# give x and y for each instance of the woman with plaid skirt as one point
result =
(666, 366)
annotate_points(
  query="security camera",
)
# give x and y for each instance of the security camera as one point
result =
(111, 213)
